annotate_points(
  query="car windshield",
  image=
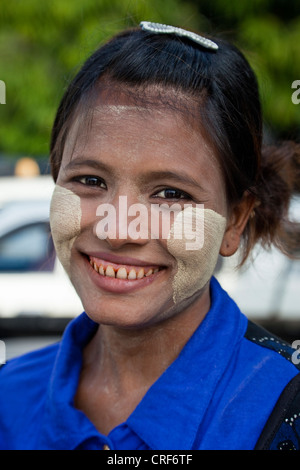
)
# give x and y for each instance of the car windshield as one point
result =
(28, 248)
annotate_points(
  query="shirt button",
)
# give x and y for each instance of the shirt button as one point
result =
(105, 447)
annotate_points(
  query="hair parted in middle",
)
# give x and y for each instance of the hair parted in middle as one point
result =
(218, 90)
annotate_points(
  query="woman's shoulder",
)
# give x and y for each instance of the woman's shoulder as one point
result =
(262, 337)
(282, 429)
(24, 381)
(22, 371)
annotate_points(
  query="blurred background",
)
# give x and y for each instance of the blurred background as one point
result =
(42, 46)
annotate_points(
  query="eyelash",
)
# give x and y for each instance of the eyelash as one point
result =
(79, 179)
(180, 194)
(98, 182)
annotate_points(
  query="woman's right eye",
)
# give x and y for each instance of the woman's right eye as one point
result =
(94, 181)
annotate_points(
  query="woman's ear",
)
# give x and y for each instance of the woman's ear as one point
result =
(236, 224)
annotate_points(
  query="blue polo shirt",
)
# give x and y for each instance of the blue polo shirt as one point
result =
(217, 394)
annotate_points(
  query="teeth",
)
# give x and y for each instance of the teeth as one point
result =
(96, 267)
(101, 270)
(140, 273)
(122, 272)
(132, 274)
(110, 271)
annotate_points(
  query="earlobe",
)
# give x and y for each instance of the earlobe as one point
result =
(230, 242)
(236, 224)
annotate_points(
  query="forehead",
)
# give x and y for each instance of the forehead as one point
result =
(113, 101)
(133, 139)
(128, 122)
(149, 117)
(132, 142)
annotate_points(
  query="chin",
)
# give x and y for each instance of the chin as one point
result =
(129, 314)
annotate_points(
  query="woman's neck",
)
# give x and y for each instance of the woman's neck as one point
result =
(120, 365)
(142, 354)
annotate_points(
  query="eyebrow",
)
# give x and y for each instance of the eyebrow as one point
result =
(78, 162)
(170, 175)
(144, 179)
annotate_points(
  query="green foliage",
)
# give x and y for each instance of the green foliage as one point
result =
(268, 32)
(44, 42)
(42, 45)
(277, 65)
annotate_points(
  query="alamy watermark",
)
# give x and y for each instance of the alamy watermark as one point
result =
(2, 92)
(296, 94)
(296, 354)
(2, 353)
(138, 222)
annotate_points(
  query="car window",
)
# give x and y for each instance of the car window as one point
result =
(28, 248)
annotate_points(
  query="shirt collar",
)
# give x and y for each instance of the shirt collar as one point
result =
(176, 404)
(64, 426)
(169, 415)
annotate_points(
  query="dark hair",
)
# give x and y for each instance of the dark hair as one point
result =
(225, 89)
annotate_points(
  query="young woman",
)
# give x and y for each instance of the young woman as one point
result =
(157, 156)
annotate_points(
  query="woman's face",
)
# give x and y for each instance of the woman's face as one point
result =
(115, 173)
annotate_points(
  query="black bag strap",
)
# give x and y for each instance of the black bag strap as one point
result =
(282, 430)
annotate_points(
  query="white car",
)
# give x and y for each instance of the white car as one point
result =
(32, 280)
(16, 189)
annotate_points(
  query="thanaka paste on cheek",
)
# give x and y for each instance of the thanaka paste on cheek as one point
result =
(65, 220)
(195, 266)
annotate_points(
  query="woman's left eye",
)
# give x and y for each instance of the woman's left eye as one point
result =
(171, 193)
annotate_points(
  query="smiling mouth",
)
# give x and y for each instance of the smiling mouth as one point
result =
(122, 272)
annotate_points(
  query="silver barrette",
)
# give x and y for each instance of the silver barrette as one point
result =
(166, 29)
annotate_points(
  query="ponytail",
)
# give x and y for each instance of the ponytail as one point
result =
(278, 180)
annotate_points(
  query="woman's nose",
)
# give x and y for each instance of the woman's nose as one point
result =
(123, 221)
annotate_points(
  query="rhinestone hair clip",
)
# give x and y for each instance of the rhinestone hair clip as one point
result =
(166, 29)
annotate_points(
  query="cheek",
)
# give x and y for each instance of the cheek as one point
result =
(196, 260)
(65, 223)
